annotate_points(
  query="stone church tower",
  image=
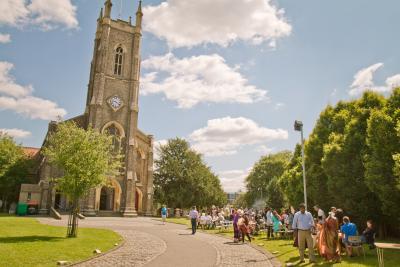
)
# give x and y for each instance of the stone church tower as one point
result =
(112, 107)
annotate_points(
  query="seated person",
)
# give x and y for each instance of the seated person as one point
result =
(220, 219)
(214, 220)
(203, 219)
(208, 220)
(368, 235)
(348, 229)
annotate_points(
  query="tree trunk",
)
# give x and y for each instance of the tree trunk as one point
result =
(72, 230)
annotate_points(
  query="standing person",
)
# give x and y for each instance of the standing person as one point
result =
(290, 218)
(320, 214)
(193, 214)
(303, 222)
(276, 222)
(164, 214)
(328, 240)
(243, 224)
(236, 234)
(268, 220)
(284, 217)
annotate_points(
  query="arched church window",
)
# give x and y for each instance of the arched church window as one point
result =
(118, 61)
(116, 137)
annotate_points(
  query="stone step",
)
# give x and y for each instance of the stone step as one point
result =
(55, 214)
(107, 213)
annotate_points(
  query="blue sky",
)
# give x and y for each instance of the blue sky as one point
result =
(230, 76)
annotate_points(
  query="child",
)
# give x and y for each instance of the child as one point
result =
(164, 213)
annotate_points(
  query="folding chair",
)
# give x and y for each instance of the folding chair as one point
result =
(356, 242)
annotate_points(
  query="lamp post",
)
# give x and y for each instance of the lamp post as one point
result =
(298, 126)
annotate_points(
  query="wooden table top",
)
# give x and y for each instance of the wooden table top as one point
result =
(388, 245)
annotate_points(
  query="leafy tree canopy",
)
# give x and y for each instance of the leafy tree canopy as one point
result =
(84, 157)
(182, 179)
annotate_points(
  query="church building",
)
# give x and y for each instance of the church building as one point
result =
(111, 107)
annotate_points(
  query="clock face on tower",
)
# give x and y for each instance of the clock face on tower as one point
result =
(115, 102)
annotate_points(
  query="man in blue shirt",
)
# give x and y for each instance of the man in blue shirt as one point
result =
(303, 222)
(348, 229)
(194, 215)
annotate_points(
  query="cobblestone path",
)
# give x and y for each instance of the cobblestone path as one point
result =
(151, 244)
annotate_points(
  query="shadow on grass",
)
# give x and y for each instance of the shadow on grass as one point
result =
(26, 239)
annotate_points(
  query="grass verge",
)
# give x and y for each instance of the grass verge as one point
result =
(284, 251)
(26, 242)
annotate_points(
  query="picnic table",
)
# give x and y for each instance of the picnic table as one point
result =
(379, 250)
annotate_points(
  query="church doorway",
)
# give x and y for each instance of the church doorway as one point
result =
(107, 198)
(57, 201)
(138, 200)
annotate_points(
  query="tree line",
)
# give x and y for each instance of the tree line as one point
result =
(15, 166)
(182, 179)
(352, 161)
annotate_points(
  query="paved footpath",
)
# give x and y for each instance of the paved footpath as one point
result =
(149, 243)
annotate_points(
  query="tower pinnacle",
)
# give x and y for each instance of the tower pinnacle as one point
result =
(139, 15)
(101, 14)
(107, 8)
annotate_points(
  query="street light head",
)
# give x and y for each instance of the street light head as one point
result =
(298, 125)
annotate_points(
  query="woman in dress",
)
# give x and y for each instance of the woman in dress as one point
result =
(328, 240)
(236, 233)
(276, 222)
(243, 224)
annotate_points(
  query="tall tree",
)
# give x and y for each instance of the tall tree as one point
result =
(86, 158)
(182, 179)
(343, 159)
(396, 158)
(380, 162)
(291, 181)
(13, 169)
(317, 189)
(268, 169)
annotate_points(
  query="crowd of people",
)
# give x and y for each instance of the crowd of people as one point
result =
(333, 234)
(330, 235)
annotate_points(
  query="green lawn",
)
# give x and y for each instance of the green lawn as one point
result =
(26, 242)
(287, 253)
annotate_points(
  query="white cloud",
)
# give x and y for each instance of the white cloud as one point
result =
(16, 133)
(224, 136)
(8, 85)
(19, 98)
(263, 149)
(5, 38)
(233, 180)
(33, 107)
(205, 78)
(279, 106)
(48, 14)
(393, 81)
(13, 12)
(363, 81)
(193, 22)
(334, 93)
(157, 145)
